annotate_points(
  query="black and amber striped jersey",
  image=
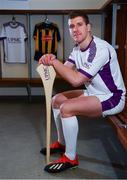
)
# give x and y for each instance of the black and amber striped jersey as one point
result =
(46, 36)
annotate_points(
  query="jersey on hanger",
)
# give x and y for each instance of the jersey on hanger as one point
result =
(46, 37)
(14, 36)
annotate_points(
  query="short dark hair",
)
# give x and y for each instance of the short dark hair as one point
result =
(74, 14)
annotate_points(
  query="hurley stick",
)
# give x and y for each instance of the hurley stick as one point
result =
(47, 74)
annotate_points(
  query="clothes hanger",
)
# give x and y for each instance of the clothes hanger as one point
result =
(13, 20)
(46, 20)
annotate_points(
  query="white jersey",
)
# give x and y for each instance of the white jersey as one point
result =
(14, 36)
(99, 63)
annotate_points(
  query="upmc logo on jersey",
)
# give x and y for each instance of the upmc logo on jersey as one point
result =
(47, 38)
(86, 65)
(14, 40)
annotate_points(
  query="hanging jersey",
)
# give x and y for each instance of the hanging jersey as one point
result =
(14, 36)
(46, 36)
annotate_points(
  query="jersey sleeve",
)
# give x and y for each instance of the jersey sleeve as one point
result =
(25, 33)
(71, 57)
(35, 32)
(91, 68)
(57, 31)
(58, 35)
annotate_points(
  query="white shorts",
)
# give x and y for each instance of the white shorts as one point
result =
(113, 110)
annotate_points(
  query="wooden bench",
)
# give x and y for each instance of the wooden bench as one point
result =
(119, 122)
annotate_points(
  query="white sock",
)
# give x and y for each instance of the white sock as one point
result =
(70, 130)
(58, 123)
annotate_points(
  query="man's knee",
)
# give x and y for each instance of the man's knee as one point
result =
(56, 100)
(64, 110)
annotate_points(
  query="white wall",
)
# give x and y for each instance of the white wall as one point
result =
(14, 4)
(52, 4)
(66, 4)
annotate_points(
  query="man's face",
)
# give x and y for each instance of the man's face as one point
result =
(78, 29)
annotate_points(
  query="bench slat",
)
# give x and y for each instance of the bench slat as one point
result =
(119, 123)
